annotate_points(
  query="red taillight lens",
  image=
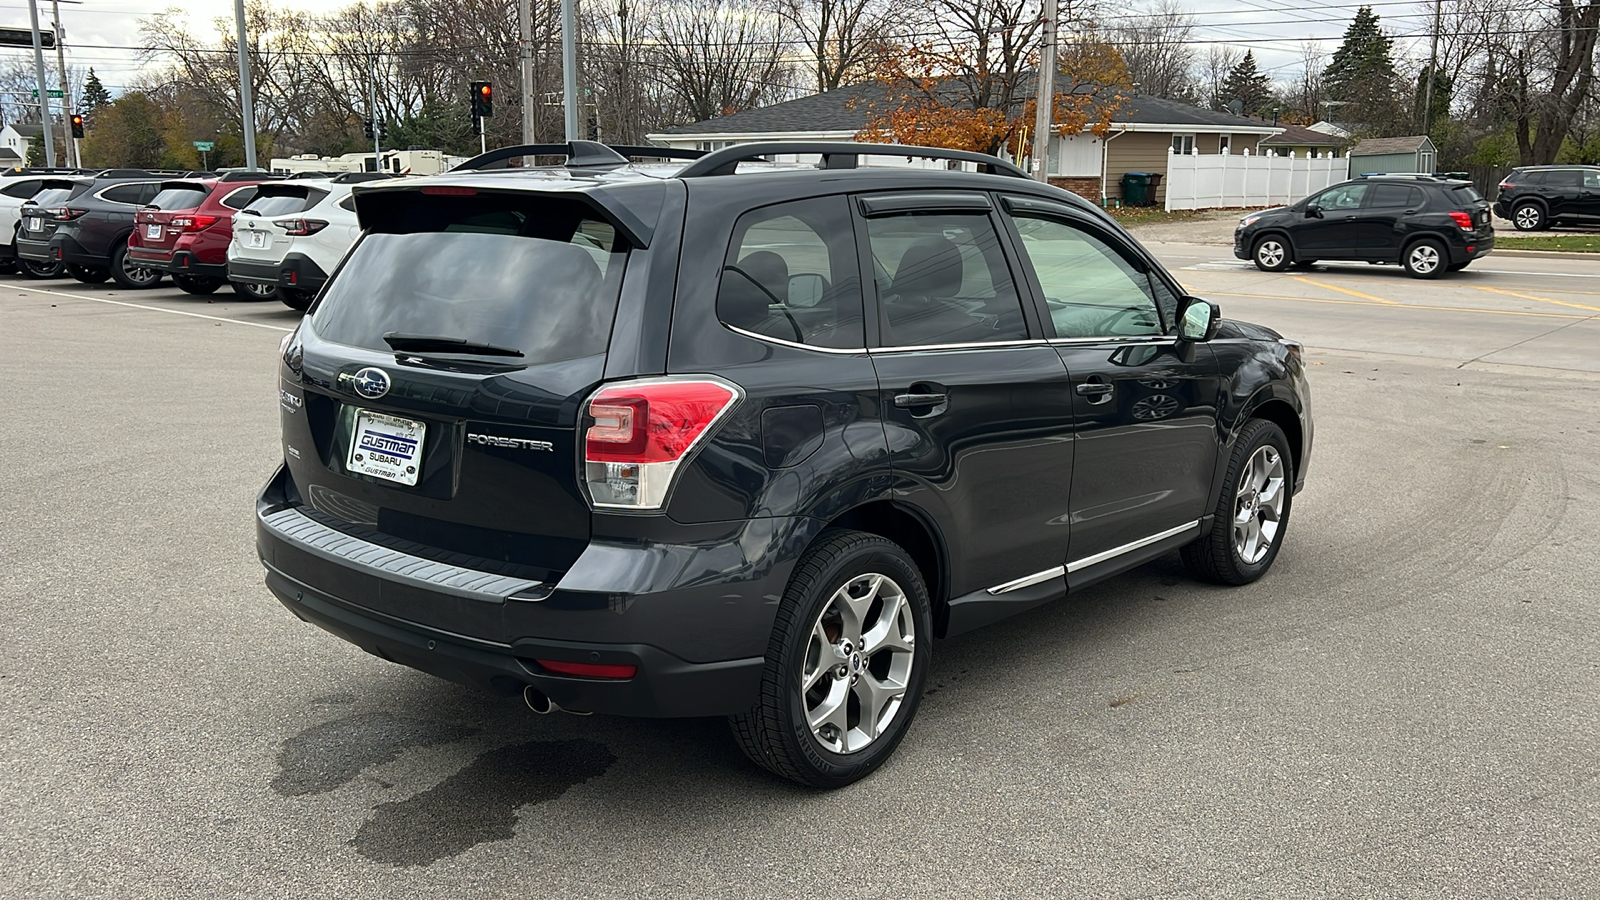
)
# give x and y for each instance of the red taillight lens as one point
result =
(642, 430)
(588, 670)
(194, 223)
(300, 227)
(1506, 185)
(1463, 219)
(64, 213)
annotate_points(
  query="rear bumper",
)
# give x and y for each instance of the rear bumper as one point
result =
(34, 250)
(698, 643)
(296, 271)
(183, 262)
(67, 249)
(1471, 249)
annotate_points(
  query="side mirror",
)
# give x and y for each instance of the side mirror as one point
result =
(1198, 321)
(1313, 211)
(805, 291)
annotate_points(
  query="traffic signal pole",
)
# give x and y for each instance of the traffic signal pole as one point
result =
(248, 108)
(66, 86)
(44, 92)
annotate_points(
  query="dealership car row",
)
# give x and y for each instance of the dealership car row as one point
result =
(138, 226)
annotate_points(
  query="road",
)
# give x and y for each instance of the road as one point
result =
(1405, 706)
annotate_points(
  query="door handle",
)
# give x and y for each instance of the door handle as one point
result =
(1094, 389)
(912, 401)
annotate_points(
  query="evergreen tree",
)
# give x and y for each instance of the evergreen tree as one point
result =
(1361, 77)
(36, 150)
(1249, 86)
(95, 94)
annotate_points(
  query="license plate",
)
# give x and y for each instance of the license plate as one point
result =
(35, 224)
(153, 232)
(255, 240)
(387, 447)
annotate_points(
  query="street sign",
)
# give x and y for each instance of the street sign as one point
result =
(23, 37)
(205, 146)
(54, 93)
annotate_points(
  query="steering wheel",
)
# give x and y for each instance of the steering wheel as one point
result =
(799, 336)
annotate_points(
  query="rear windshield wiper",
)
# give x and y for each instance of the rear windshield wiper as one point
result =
(424, 343)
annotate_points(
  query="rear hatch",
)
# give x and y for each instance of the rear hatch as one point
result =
(435, 391)
(261, 229)
(46, 210)
(1465, 198)
(171, 212)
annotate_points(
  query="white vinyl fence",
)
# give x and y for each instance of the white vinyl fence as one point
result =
(1221, 180)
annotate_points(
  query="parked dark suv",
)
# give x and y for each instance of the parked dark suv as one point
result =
(1427, 224)
(724, 439)
(89, 232)
(1536, 197)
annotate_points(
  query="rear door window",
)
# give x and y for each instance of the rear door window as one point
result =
(791, 273)
(539, 276)
(1562, 178)
(942, 279)
(1392, 195)
(179, 197)
(136, 194)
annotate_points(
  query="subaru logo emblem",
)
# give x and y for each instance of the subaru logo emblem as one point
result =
(372, 382)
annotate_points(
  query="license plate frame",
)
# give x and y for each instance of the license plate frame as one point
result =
(255, 240)
(386, 446)
(33, 223)
(152, 232)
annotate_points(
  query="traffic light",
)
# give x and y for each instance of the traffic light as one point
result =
(366, 128)
(77, 126)
(482, 100)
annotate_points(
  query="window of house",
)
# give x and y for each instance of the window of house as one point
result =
(1183, 143)
(1225, 144)
(791, 274)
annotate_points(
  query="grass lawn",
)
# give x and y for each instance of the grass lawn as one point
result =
(1579, 243)
(1155, 215)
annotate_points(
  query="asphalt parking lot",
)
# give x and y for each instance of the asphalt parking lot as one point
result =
(1404, 707)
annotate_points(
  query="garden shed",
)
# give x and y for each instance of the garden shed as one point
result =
(1377, 156)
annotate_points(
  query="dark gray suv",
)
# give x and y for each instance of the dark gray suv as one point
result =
(743, 439)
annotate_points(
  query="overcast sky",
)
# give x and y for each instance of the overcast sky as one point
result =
(96, 29)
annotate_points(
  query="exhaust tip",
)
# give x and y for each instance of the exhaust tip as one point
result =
(538, 701)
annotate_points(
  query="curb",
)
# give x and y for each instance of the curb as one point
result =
(1558, 254)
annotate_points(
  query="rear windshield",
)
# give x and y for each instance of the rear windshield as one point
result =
(536, 275)
(280, 203)
(52, 196)
(179, 197)
(1469, 194)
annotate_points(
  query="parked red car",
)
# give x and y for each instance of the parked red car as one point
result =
(186, 229)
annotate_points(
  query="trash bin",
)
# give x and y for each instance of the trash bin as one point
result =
(1136, 189)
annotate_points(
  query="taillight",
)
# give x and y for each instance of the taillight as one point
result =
(1462, 219)
(194, 223)
(64, 213)
(300, 227)
(642, 430)
(1506, 185)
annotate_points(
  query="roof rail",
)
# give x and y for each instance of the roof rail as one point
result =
(838, 155)
(358, 177)
(579, 154)
(648, 152)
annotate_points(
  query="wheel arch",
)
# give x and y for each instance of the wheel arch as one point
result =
(915, 534)
(1280, 413)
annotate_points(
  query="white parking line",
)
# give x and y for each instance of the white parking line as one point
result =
(175, 312)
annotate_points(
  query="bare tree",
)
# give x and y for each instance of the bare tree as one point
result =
(720, 56)
(1155, 46)
(843, 37)
(1214, 68)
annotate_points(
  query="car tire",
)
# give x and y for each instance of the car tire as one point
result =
(849, 591)
(255, 291)
(88, 274)
(31, 269)
(1426, 258)
(189, 284)
(296, 300)
(1257, 496)
(1529, 216)
(129, 275)
(1272, 254)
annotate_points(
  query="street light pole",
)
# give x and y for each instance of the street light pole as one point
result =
(1433, 63)
(525, 63)
(247, 108)
(1045, 102)
(66, 86)
(44, 92)
(569, 65)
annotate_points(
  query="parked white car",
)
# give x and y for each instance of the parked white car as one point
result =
(293, 234)
(15, 191)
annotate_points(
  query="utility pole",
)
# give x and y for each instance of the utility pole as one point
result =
(372, 112)
(525, 63)
(569, 67)
(66, 86)
(44, 93)
(1046, 99)
(1433, 63)
(246, 106)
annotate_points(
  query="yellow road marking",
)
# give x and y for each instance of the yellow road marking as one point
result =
(1540, 299)
(1465, 309)
(1334, 287)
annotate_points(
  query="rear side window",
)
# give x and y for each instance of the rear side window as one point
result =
(1562, 178)
(131, 194)
(285, 203)
(535, 274)
(1591, 178)
(942, 279)
(348, 203)
(791, 273)
(240, 198)
(22, 189)
(1395, 195)
(179, 198)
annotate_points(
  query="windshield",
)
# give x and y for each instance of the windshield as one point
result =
(179, 198)
(545, 284)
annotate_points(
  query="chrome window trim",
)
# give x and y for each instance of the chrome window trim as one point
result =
(1114, 552)
(1029, 580)
(1020, 342)
(795, 344)
(1126, 339)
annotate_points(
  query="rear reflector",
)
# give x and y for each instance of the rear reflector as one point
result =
(642, 430)
(588, 670)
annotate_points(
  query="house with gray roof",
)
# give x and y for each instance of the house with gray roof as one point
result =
(1144, 131)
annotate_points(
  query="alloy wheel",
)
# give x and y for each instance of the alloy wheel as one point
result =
(1270, 253)
(141, 275)
(1258, 505)
(858, 663)
(1423, 259)
(1528, 217)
